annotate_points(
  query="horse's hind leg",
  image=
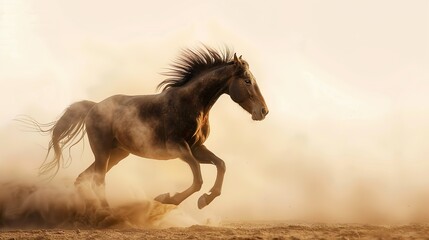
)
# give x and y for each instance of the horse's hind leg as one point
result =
(100, 170)
(203, 155)
(101, 142)
(116, 155)
(106, 160)
(87, 176)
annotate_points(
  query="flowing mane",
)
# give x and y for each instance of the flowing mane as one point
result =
(191, 62)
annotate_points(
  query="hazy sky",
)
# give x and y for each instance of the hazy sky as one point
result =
(346, 83)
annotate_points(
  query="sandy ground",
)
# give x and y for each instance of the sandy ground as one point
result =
(34, 211)
(233, 231)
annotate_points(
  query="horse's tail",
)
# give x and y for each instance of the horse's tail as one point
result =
(66, 132)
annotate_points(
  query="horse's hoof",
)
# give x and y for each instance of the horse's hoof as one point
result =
(202, 201)
(163, 198)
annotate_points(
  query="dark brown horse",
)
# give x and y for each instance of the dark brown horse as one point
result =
(171, 124)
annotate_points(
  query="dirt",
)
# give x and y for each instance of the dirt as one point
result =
(232, 231)
(57, 211)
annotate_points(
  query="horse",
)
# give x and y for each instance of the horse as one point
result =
(172, 124)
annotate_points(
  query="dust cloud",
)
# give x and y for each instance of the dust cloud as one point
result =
(25, 204)
(345, 139)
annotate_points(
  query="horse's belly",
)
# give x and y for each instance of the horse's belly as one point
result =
(147, 151)
(154, 154)
(143, 141)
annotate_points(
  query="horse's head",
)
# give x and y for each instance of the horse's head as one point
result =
(244, 90)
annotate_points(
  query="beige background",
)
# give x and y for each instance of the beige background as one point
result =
(346, 83)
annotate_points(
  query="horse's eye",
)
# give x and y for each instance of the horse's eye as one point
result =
(247, 81)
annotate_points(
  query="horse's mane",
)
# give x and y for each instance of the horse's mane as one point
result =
(192, 62)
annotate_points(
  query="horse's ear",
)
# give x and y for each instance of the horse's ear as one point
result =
(237, 61)
(240, 57)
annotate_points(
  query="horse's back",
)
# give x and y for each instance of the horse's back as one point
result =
(117, 105)
(134, 123)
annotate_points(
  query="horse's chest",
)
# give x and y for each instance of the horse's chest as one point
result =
(201, 130)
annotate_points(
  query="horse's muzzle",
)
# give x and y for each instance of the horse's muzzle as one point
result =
(259, 115)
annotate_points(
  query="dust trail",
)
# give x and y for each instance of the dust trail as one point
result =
(25, 204)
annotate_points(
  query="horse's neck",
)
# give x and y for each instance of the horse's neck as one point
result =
(210, 86)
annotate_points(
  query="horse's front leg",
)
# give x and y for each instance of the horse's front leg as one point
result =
(186, 155)
(203, 155)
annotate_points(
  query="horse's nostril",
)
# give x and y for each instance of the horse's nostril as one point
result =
(264, 111)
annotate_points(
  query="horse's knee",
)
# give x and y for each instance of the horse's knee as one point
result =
(221, 166)
(83, 177)
(198, 185)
